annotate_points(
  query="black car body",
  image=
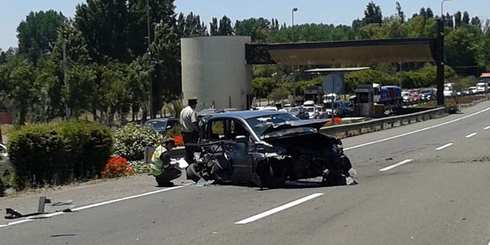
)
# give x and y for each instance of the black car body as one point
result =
(162, 125)
(266, 148)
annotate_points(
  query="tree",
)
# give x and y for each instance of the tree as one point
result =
(103, 24)
(399, 12)
(466, 18)
(190, 25)
(37, 33)
(165, 55)
(475, 21)
(225, 28)
(429, 13)
(423, 13)
(19, 79)
(162, 10)
(70, 50)
(213, 27)
(259, 29)
(372, 14)
(457, 19)
(462, 49)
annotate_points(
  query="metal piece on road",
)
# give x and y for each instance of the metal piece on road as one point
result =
(396, 165)
(444, 146)
(278, 209)
(471, 135)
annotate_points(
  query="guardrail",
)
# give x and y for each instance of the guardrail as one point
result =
(353, 129)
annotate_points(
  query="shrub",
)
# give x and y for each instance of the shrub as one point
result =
(130, 141)
(56, 153)
(117, 167)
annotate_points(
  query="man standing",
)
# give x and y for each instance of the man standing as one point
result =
(190, 128)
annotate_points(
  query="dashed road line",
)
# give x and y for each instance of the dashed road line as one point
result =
(444, 147)
(471, 135)
(278, 209)
(416, 131)
(487, 128)
(396, 165)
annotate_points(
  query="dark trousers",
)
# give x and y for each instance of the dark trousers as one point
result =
(190, 139)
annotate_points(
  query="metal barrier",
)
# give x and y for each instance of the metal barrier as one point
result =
(353, 129)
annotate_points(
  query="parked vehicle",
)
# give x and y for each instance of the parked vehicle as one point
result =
(267, 148)
(161, 125)
(482, 87)
(406, 97)
(3, 151)
(473, 90)
(427, 94)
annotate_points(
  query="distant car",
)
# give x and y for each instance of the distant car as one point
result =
(406, 97)
(298, 112)
(427, 94)
(162, 125)
(3, 151)
(473, 90)
(4, 156)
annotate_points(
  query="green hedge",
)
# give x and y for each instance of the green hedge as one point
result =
(58, 153)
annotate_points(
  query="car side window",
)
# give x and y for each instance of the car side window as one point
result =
(217, 130)
(237, 129)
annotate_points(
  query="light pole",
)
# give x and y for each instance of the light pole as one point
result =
(442, 8)
(292, 15)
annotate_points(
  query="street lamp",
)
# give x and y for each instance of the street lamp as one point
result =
(292, 15)
(442, 8)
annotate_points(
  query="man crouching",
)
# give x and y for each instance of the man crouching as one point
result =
(161, 166)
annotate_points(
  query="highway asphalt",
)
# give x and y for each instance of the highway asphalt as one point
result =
(425, 183)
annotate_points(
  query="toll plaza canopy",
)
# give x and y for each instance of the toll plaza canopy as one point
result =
(362, 52)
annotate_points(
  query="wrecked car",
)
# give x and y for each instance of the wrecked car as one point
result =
(266, 149)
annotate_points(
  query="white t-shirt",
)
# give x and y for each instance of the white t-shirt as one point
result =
(188, 120)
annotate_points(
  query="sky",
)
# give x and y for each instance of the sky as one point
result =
(12, 12)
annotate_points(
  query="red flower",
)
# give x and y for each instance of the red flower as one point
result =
(117, 167)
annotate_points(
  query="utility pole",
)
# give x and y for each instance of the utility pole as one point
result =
(151, 96)
(67, 82)
(292, 21)
(439, 44)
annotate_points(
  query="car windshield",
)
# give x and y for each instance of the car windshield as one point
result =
(260, 124)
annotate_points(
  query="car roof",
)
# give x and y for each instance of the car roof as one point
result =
(245, 114)
(160, 120)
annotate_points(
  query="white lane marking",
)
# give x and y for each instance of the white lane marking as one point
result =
(444, 146)
(396, 165)
(416, 131)
(487, 128)
(19, 222)
(278, 209)
(127, 198)
(30, 219)
(470, 135)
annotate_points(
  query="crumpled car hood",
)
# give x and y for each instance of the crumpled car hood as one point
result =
(312, 123)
